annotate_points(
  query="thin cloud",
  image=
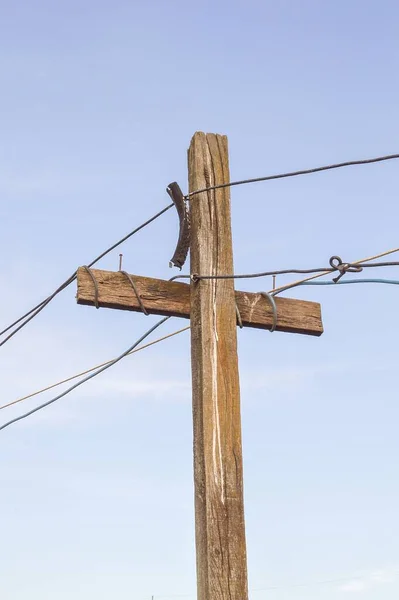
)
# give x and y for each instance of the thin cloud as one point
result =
(354, 586)
(376, 578)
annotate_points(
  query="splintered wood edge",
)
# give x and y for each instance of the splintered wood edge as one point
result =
(172, 298)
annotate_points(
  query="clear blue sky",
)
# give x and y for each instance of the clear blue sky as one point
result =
(98, 104)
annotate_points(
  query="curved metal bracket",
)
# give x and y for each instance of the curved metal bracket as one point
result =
(183, 243)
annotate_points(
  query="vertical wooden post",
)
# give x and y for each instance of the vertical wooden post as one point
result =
(218, 476)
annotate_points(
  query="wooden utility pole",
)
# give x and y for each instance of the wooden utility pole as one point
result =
(211, 306)
(218, 478)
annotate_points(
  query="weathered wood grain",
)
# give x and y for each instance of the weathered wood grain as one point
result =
(162, 297)
(218, 473)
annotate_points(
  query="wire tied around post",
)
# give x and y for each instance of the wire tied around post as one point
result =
(272, 301)
(134, 288)
(239, 319)
(95, 284)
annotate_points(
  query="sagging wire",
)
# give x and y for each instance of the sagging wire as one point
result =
(295, 173)
(53, 385)
(350, 281)
(91, 376)
(33, 312)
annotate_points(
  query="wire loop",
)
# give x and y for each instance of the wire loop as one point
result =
(95, 283)
(139, 300)
(239, 319)
(274, 308)
(336, 263)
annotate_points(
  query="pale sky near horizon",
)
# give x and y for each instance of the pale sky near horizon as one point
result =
(98, 103)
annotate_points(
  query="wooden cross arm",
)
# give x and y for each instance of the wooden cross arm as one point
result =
(172, 298)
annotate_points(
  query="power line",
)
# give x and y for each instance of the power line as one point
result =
(350, 281)
(104, 368)
(33, 312)
(50, 387)
(283, 288)
(129, 235)
(341, 266)
(295, 173)
(38, 308)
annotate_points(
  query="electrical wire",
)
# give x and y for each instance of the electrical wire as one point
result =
(38, 308)
(50, 387)
(91, 376)
(295, 173)
(33, 312)
(283, 288)
(324, 270)
(386, 281)
(129, 235)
